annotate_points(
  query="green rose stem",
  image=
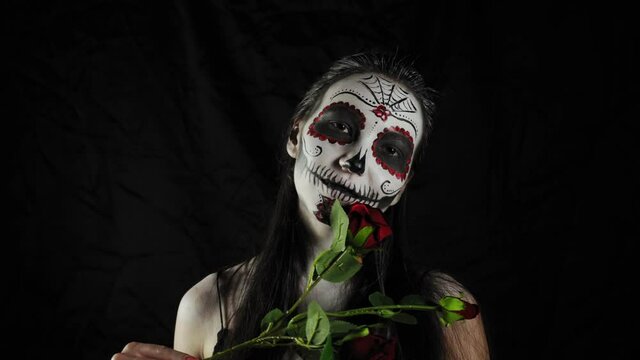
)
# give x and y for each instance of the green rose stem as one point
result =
(265, 340)
(265, 335)
(371, 310)
(273, 336)
(378, 310)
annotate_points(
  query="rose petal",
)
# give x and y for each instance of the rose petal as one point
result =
(372, 347)
(470, 311)
(361, 215)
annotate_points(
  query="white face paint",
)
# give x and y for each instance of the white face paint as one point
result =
(359, 145)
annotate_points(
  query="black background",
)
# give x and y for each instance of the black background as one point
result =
(143, 139)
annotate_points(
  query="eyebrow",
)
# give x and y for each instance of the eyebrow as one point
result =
(356, 94)
(415, 131)
(404, 134)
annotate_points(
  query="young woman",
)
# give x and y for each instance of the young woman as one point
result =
(355, 136)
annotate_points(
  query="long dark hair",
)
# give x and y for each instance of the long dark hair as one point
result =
(273, 277)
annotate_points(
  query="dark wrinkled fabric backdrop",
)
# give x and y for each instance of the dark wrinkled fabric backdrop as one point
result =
(144, 138)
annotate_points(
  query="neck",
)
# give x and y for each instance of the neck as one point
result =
(320, 234)
(331, 296)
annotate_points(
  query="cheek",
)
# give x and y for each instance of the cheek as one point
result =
(319, 151)
(382, 180)
(312, 147)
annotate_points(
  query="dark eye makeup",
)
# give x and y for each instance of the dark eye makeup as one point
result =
(393, 149)
(338, 122)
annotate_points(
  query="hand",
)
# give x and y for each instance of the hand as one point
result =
(141, 351)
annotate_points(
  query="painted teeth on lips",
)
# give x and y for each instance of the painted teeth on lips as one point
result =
(343, 193)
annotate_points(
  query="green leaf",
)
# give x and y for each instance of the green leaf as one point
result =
(378, 299)
(339, 327)
(451, 303)
(272, 317)
(362, 236)
(313, 317)
(447, 317)
(404, 318)
(413, 300)
(325, 259)
(339, 224)
(343, 268)
(327, 351)
(354, 335)
(296, 329)
(317, 327)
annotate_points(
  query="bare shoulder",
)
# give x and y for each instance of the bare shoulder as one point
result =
(195, 317)
(463, 339)
(204, 308)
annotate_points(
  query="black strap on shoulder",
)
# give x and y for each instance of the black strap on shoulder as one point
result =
(220, 303)
(222, 334)
(221, 344)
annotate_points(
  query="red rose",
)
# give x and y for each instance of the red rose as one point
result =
(470, 310)
(453, 309)
(361, 215)
(373, 347)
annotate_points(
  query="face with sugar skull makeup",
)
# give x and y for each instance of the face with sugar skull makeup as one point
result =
(358, 145)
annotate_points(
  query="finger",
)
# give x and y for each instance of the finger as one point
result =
(154, 351)
(121, 356)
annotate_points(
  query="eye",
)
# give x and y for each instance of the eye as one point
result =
(341, 127)
(338, 123)
(392, 151)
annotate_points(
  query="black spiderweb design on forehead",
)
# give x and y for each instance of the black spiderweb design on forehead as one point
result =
(387, 93)
(392, 97)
